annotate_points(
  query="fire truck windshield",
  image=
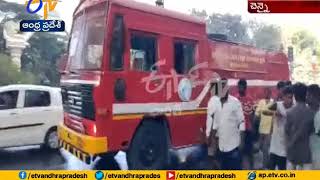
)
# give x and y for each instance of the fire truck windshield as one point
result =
(86, 44)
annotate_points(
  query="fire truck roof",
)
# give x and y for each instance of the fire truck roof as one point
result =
(152, 9)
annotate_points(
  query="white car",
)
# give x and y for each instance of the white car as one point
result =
(29, 115)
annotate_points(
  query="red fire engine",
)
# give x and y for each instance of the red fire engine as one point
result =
(138, 79)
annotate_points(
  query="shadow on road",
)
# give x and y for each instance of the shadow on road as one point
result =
(29, 158)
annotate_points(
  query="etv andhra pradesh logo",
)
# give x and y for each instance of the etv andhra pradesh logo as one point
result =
(41, 25)
(49, 5)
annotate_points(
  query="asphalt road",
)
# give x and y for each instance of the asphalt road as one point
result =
(28, 158)
(33, 158)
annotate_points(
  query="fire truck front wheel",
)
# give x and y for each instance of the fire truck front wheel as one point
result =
(149, 149)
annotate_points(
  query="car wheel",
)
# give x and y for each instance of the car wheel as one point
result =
(52, 140)
(149, 149)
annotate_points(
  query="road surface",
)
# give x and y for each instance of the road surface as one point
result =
(30, 158)
(33, 158)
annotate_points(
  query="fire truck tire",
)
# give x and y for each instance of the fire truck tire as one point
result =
(149, 149)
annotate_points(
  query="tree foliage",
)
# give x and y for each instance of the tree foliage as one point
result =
(270, 37)
(304, 40)
(9, 73)
(304, 44)
(253, 33)
(19, 10)
(267, 36)
(41, 57)
(227, 24)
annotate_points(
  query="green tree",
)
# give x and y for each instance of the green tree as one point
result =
(42, 55)
(254, 33)
(202, 14)
(12, 12)
(18, 9)
(303, 43)
(266, 36)
(9, 73)
(303, 40)
(45, 48)
(227, 24)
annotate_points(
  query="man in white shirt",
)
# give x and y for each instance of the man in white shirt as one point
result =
(278, 153)
(210, 140)
(228, 126)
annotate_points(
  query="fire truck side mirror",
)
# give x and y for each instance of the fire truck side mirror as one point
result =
(120, 90)
(62, 63)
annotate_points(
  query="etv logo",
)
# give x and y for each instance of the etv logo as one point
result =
(171, 175)
(42, 25)
(49, 5)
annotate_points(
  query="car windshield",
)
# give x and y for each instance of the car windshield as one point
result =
(86, 44)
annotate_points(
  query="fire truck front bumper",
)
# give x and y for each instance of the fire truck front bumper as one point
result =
(82, 146)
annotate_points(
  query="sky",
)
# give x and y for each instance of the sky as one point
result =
(309, 21)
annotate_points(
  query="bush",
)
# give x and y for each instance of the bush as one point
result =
(10, 74)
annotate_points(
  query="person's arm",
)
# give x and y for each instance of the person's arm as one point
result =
(210, 120)
(317, 123)
(241, 122)
(310, 124)
(271, 110)
(210, 113)
(257, 117)
(287, 129)
(281, 112)
(273, 106)
(213, 135)
(258, 109)
(268, 113)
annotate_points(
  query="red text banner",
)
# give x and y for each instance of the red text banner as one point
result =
(284, 6)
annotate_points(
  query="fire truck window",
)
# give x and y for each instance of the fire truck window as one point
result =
(94, 43)
(8, 100)
(142, 52)
(184, 56)
(117, 44)
(87, 39)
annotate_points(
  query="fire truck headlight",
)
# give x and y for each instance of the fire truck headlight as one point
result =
(94, 129)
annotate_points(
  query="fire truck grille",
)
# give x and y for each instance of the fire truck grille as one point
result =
(78, 100)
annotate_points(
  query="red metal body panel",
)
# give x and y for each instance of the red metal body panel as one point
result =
(229, 60)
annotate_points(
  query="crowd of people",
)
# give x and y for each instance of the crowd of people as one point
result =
(280, 127)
